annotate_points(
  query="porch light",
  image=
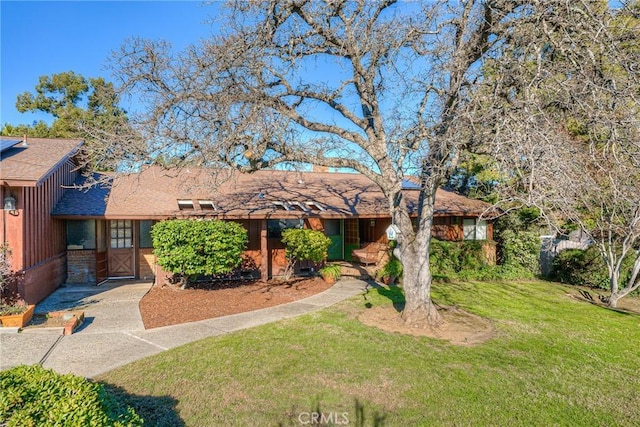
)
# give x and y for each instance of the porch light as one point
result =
(373, 223)
(10, 203)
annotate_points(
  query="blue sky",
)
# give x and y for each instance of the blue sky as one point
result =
(47, 37)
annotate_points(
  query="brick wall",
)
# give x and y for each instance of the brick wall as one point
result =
(81, 267)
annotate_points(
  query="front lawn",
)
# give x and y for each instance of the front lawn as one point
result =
(554, 361)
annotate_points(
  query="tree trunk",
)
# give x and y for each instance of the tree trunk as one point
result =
(613, 284)
(416, 282)
(613, 299)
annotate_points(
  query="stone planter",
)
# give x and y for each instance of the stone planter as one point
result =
(18, 320)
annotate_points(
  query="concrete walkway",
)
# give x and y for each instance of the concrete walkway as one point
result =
(113, 334)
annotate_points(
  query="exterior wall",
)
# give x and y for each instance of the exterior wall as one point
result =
(447, 228)
(37, 241)
(375, 232)
(44, 236)
(489, 251)
(41, 280)
(81, 266)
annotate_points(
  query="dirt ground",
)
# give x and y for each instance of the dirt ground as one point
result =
(458, 326)
(168, 305)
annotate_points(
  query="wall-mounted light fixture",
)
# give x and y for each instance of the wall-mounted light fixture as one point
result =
(10, 205)
(373, 223)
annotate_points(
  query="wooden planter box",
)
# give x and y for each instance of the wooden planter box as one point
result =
(18, 320)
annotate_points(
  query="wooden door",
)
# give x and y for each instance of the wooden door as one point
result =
(333, 229)
(121, 248)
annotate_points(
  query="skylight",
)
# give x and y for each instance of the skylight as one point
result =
(283, 205)
(300, 206)
(315, 206)
(5, 144)
(207, 205)
(185, 204)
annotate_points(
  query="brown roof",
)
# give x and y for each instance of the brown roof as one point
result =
(155, 193)
(29, 166)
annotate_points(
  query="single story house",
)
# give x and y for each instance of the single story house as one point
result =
(104, 232)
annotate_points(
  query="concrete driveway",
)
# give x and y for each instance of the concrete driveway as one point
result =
(113, 334)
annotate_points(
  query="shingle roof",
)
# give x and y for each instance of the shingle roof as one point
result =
(28, 166)
(155, 192)
(82, 201)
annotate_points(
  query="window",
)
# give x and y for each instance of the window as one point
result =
(121, 234)
(81, 234)
(474, 229)
(275, 226)
(145, 234)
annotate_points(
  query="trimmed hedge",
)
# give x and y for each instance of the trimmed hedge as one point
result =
(35, 396)
(303, 244)
(196, 247)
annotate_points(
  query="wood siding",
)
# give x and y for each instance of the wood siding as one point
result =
(44, 236)
(38, 241)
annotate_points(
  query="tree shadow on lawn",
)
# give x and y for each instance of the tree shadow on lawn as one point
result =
(154, 410)
(393, 292)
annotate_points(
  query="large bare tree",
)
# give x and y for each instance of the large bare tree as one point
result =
(561, 112)
(375, 86)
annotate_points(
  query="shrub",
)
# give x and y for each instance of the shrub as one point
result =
(302, 244)
(448, 258)
(10, 300)
(33, 396)
(332, 271)
(393, 268)
(195, 247)
(520, 249)
(585, 268)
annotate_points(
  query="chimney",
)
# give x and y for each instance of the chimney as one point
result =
(24, 141)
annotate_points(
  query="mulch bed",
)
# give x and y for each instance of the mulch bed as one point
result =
(169, 305)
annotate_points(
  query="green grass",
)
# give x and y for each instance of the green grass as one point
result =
(553, 361)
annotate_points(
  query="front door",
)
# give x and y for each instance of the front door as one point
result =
(121, 259)
(333, 230)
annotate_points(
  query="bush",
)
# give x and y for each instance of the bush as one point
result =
(393, 268)
(331, 271)
(520, 249)
(448, 258)
(466, 261)
(580, 267)
(34, 396)
(302, 244)
(195, 247)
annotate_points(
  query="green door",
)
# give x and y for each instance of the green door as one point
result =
(333, 229)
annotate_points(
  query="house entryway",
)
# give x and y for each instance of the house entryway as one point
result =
(334, 230)
(121, 248)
